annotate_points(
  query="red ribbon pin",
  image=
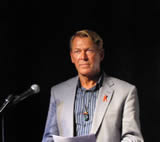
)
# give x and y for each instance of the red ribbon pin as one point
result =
(105, 98)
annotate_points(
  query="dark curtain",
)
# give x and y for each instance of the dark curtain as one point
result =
(35, 50)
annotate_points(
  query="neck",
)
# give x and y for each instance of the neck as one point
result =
(89, 82)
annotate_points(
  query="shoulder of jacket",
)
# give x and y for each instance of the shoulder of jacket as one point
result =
(65, 83)
(118, 82)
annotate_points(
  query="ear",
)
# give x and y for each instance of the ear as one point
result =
(102, 54)
(71, 55)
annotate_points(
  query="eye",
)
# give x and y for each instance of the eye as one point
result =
(90, 50)
(76, 51)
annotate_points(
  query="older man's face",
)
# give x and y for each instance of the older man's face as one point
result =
(85, 56)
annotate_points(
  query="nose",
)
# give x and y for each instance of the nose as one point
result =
(83, 56)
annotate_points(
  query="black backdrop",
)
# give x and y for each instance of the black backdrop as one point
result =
(34, 49)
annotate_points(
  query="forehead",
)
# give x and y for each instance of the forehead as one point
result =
(82, 42)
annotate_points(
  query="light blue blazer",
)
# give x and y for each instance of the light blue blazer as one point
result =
(116, 118)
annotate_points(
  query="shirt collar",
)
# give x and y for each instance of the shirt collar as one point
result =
(97, 86)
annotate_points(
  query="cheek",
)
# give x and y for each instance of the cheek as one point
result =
(73, 59)
(96, 60)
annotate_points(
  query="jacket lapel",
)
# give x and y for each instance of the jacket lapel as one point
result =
(70, 106)
(103, 101)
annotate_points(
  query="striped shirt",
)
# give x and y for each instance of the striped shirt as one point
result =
(85, 101)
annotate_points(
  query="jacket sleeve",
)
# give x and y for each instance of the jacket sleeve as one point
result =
(51, 127)
(130, 119)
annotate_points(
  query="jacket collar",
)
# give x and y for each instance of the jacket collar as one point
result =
(103, 101)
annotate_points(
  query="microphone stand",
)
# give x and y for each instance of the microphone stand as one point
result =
(2, 108)
(3, 129)
(13, 100)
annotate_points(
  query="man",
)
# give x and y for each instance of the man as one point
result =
(92, 102)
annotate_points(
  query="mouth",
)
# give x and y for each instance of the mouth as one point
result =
(84, 65)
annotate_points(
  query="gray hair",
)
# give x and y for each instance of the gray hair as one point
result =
(96, 39)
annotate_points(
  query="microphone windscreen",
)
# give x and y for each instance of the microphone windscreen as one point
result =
(35, 88)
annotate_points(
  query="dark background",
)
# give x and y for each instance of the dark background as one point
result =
(34, 49)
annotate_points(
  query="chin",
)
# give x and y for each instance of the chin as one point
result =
(86, 72)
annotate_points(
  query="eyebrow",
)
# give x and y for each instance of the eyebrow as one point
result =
(84, 49)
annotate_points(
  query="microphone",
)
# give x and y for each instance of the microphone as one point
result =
(34, 89)
(6, 102)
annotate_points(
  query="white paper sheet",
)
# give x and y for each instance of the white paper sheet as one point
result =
(87, 138)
